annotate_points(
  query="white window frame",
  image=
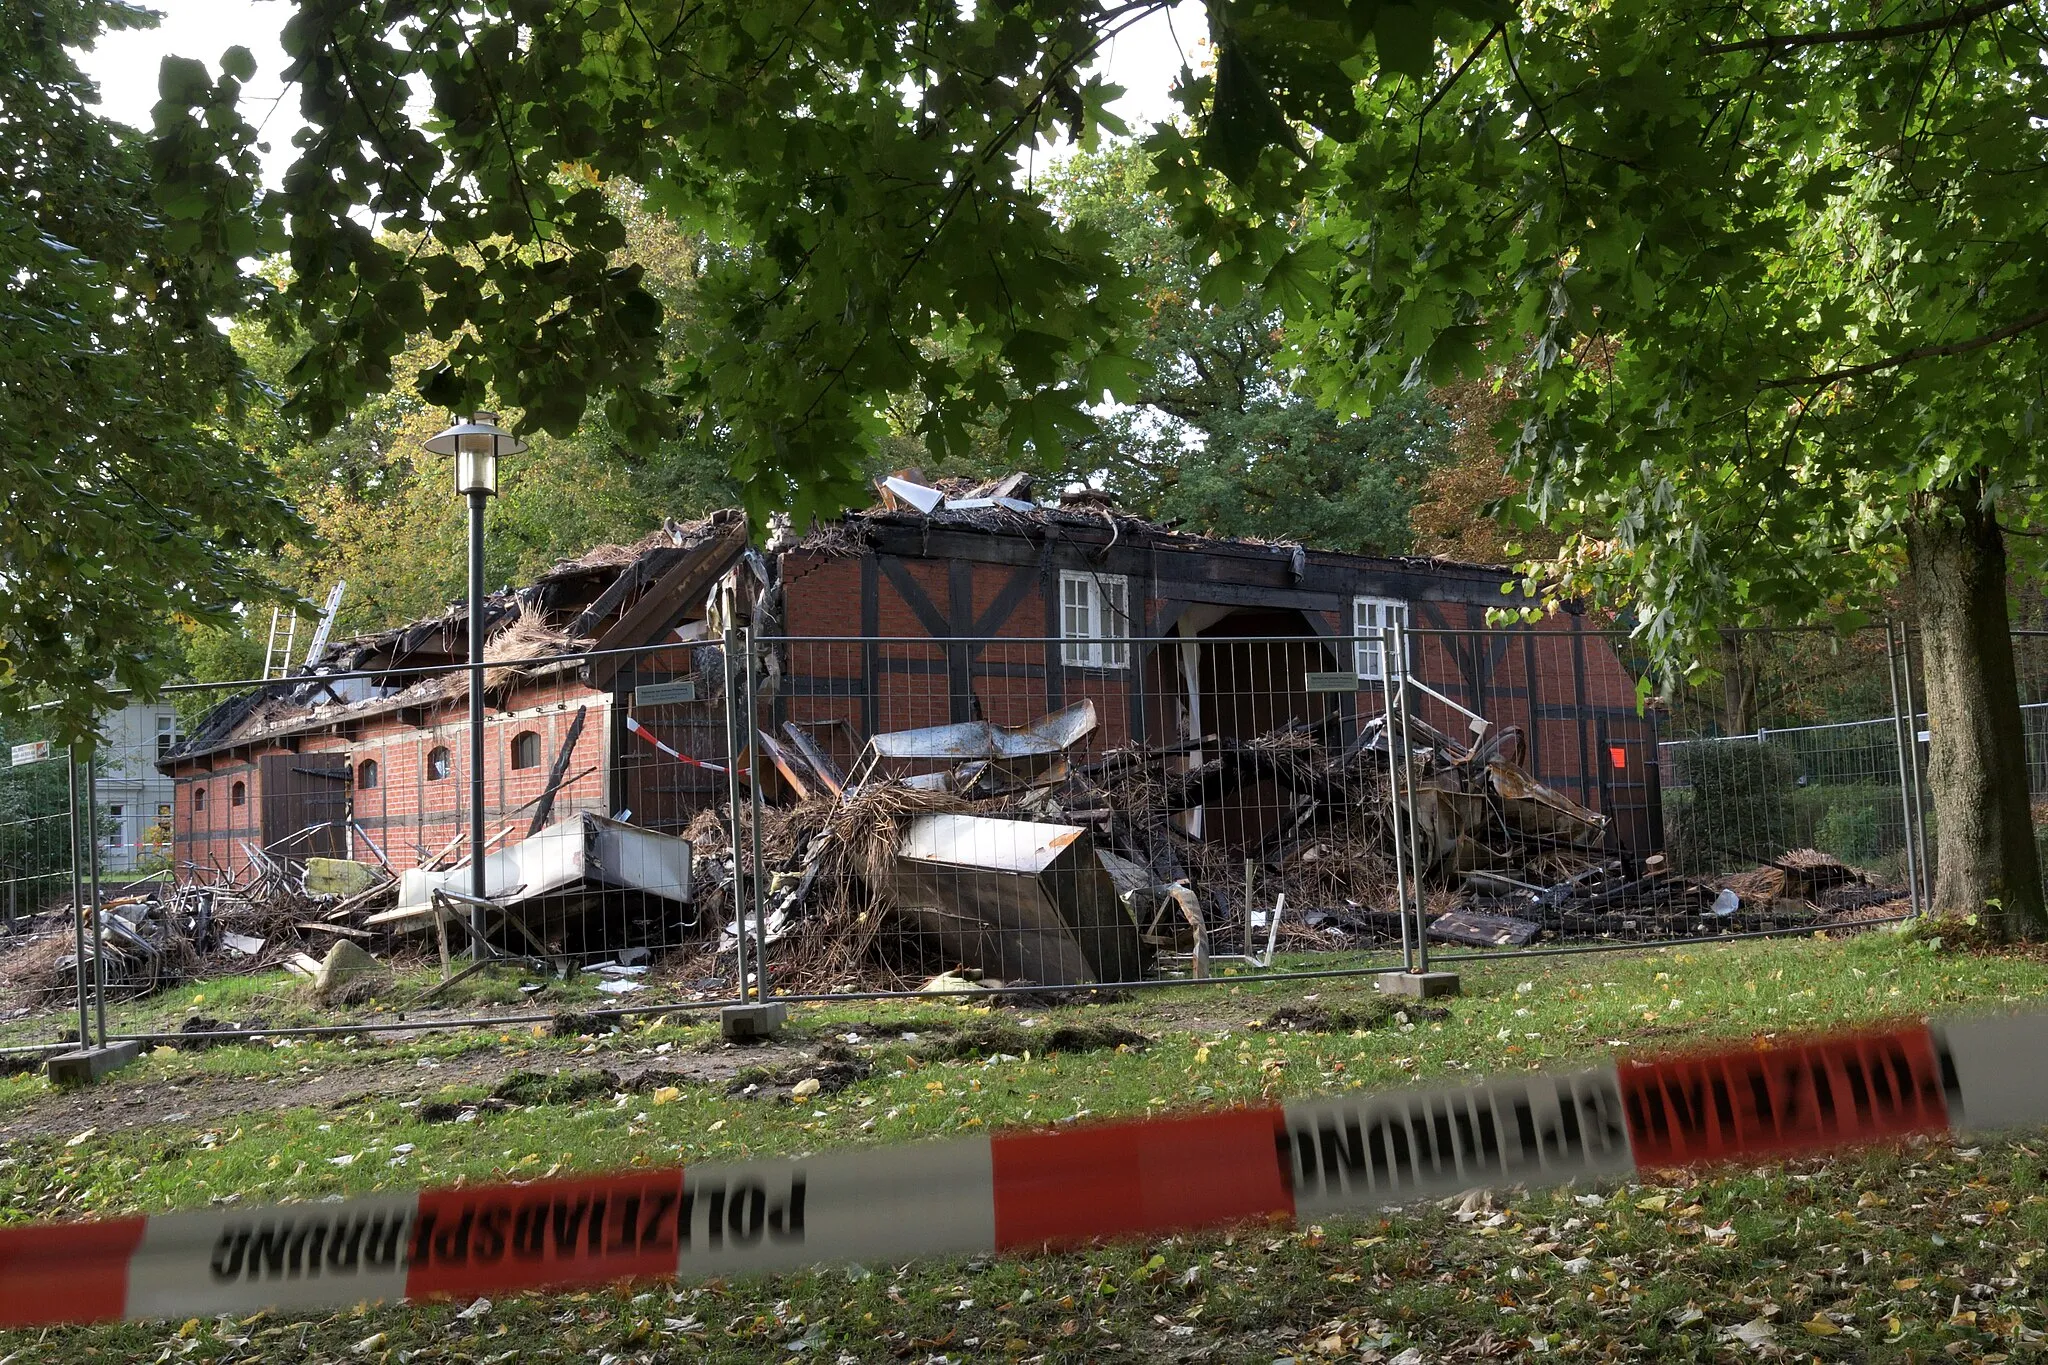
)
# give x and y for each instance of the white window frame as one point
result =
(1095, 619)
(1370, 615)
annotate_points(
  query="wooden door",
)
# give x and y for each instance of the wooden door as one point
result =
(305, 805)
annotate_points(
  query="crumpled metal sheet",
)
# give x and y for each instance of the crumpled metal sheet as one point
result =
(1534, 808)
(1015, 899)
(581, 847)
(1046, 736)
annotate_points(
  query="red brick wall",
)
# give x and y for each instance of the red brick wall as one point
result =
(414, 818)
(1577, 686)
(821, 594)
(410, 818)
(218, 837)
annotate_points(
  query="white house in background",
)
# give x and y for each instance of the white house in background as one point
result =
(134, 795)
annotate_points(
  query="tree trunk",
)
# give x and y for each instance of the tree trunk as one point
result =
(1738, 686)
(1985, 859)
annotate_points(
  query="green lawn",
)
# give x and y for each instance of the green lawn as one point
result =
(1917, 1251)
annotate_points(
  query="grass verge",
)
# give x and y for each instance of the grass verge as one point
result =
(1905, 1253)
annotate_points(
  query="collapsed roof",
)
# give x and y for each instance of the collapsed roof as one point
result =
(619, 596)
(612, 597)
(1008, 506)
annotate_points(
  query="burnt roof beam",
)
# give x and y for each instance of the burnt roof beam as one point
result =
(663, 602)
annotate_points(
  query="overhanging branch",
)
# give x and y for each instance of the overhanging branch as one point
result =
(1479, 48)
(1976, 343)
(1779, 42)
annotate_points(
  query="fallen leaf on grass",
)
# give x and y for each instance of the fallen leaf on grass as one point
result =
(1755, 1332)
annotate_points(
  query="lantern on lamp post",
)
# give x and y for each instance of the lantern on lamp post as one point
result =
(476, 444)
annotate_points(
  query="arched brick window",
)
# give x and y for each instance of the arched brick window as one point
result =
(198, 800)
(437, 764)
(238, 795)
(526, 750)
(366, 775)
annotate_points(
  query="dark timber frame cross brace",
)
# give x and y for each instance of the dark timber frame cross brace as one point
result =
(966, 634)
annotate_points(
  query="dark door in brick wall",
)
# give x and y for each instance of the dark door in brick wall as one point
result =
(1252, 675)
(305, 805)
(1629, 786)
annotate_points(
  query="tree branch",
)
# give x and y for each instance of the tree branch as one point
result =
(1436, 97)
(1779, 42)
(1564, 176)
(1978, 343)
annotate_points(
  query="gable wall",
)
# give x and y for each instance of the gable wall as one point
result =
(409, 817)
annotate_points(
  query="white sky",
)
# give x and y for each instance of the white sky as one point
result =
(1144, 60)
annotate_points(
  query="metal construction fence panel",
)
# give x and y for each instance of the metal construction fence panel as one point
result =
(35, 837)
(2030, 661)
(882, 815)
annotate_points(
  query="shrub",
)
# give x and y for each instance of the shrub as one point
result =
(1852, 830)
(1858, 822)
(1738, 806)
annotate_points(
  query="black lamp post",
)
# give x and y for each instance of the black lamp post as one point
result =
(476, 445)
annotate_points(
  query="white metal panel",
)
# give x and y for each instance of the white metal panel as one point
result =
(1020, 846)
(581, 846)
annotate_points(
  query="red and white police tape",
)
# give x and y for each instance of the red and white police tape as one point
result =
(635, 727)
(1017, 1191)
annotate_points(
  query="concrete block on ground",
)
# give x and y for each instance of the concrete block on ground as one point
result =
(339, 877)
(350, 975)
(85, 1065)
(1418, 985)
(745, 1023)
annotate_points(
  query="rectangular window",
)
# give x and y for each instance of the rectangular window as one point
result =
(1370, 616)
(166, 736)
(1095, 620)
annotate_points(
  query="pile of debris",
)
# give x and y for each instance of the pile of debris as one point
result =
(581, 884)
(990, 852)
(276, 911)
(974, 853)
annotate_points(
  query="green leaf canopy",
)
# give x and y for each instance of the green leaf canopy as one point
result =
(853, 171)
(126, 502)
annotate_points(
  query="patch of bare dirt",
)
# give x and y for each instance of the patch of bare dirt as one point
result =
(119, 1105)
